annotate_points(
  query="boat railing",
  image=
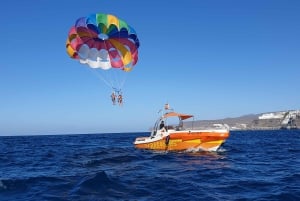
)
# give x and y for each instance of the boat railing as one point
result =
(212, 126)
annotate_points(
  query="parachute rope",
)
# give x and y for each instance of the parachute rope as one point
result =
(112, 78)
(109, 84)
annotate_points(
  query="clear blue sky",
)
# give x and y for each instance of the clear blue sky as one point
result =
(211, 58)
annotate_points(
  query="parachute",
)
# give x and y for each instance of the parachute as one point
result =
(105, 43)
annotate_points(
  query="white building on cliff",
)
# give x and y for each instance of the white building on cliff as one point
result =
(272, 115)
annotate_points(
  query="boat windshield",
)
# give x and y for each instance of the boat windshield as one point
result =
(155, 127)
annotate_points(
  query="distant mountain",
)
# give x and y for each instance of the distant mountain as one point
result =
(242, 119)
(251, 122)
(231, 121)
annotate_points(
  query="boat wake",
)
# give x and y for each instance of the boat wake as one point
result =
(194, 150)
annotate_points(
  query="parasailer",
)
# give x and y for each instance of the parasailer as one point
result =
(105, 44)
(113, 97)
(120, 99)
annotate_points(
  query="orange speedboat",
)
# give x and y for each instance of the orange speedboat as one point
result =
(174, 137)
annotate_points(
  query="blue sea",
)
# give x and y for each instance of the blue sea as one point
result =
(251, 165)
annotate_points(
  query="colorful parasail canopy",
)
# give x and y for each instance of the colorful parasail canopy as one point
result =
(103, 41)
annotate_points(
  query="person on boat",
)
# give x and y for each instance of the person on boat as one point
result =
(113, 97)
(162, 126)
(120, 99)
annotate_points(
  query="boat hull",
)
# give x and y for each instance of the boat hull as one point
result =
(180, 141)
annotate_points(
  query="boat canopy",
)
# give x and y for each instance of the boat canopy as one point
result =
(175, 114)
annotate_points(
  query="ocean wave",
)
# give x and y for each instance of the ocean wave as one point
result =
(99, 185)
(23, 184)
(109, 160)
